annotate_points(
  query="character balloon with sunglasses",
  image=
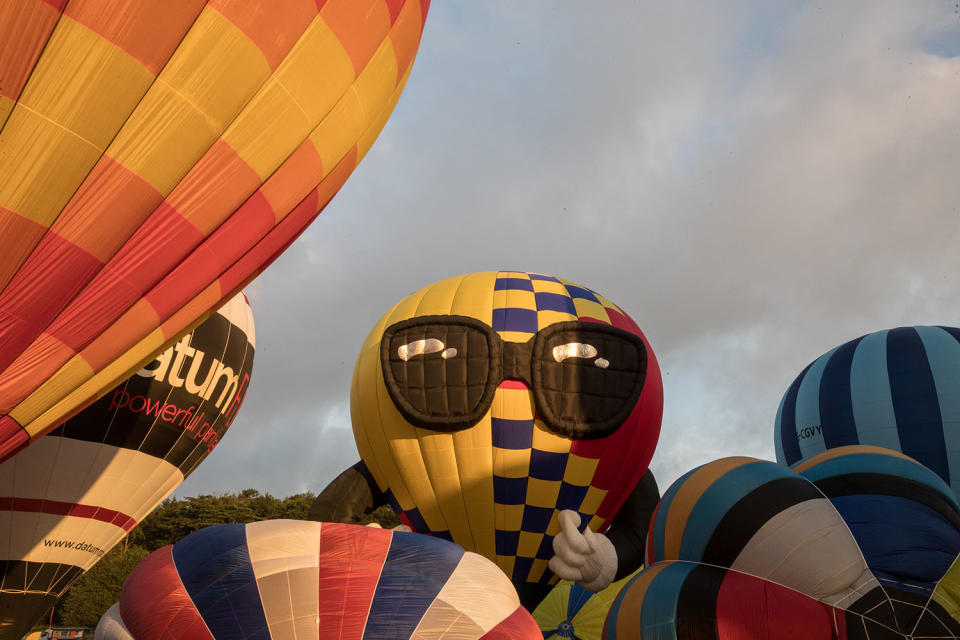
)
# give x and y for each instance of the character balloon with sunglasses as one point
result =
(515, 414)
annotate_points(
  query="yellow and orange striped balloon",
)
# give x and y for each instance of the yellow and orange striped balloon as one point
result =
(155, 155)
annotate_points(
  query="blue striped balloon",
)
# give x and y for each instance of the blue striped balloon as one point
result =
(897, 388)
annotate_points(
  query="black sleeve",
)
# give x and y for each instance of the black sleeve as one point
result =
(352, 495)
(628, 531)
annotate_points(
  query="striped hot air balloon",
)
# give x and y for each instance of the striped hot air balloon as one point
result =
(295, 580)
(857, 543)
(898, 389)
(154, 157)
(66, 500)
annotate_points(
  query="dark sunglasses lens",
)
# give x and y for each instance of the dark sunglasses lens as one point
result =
(587, 378)
(439, 372)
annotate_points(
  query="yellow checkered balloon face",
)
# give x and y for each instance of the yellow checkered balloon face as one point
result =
(486, 403)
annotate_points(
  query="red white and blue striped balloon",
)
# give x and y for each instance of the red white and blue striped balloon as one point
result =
(291, 579)
(897, 388)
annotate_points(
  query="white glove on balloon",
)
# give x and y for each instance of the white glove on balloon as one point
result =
(588, 558)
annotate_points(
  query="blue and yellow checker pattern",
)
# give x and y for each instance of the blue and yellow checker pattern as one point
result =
(497, 487)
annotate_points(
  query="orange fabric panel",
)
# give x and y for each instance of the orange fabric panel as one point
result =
(137, 322)
(360, 29)
(295, 178)
(405, 36)
(335, 179)
(20, 235)
(214, 188)
(200, 307)
(148, 30)
(32, 21)
(90, 220)
(45, 356)
(273, 29)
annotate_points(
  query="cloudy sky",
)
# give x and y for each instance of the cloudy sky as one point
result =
(753, 182)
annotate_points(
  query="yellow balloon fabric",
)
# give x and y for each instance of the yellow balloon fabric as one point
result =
(155, 156)
(570, 611)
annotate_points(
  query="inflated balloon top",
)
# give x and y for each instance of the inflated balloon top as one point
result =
(485, 404)
(284, 579)
(855, 543)
(69, 498)
(154, 157)
(898, 389)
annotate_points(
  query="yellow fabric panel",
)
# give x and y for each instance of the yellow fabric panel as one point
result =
(536, 569)
(474, 454)
(472, 297)
(376, 83)
(269, 129)
(516, 403)
(947, 593)
(509, 517)
(438, 299)
(49, 395)
(284, 555)
(441, 464)
(837, 452)
(379, 120)
(546, 441)
(42, 164)
(217, 68)
(549, 286)
(85, 83)
(548, 317)
(593, 499)
(506, 564)
(339, 130)
(6, 105)
(542, 493)
(164, 138)
(506, 298)
(529, 544)
(511, 463)
(514, 336)
(552, 610)
(317, 71)
(480, 590)
(212, 75)
(579, 470)
(553, 527)
(685, 499)
(590, 309)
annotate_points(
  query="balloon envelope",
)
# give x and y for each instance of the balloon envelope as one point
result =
(898, 389)
(854, 546)
(154, 157)
(485, 404)
(68, 499)
(292, 579)
(570, 611)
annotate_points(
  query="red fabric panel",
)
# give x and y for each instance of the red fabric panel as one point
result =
(164, 240)
(424, 8)
(58, 508)
(750, 607)
(519, 625)
(349, 569)
(20, 235)
(225, 246)
(12, 437)
(394, 7)
(154, 605)
(53, 274)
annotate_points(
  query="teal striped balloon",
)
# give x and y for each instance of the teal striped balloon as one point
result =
(898, 389)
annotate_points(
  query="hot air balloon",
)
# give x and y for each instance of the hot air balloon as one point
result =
(853, 546)
(155, 157)
(898, 389)
(570, 611)
(288, 579)
(485, 404)
(69, 498)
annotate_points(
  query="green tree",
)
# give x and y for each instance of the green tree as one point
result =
(99, 588)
